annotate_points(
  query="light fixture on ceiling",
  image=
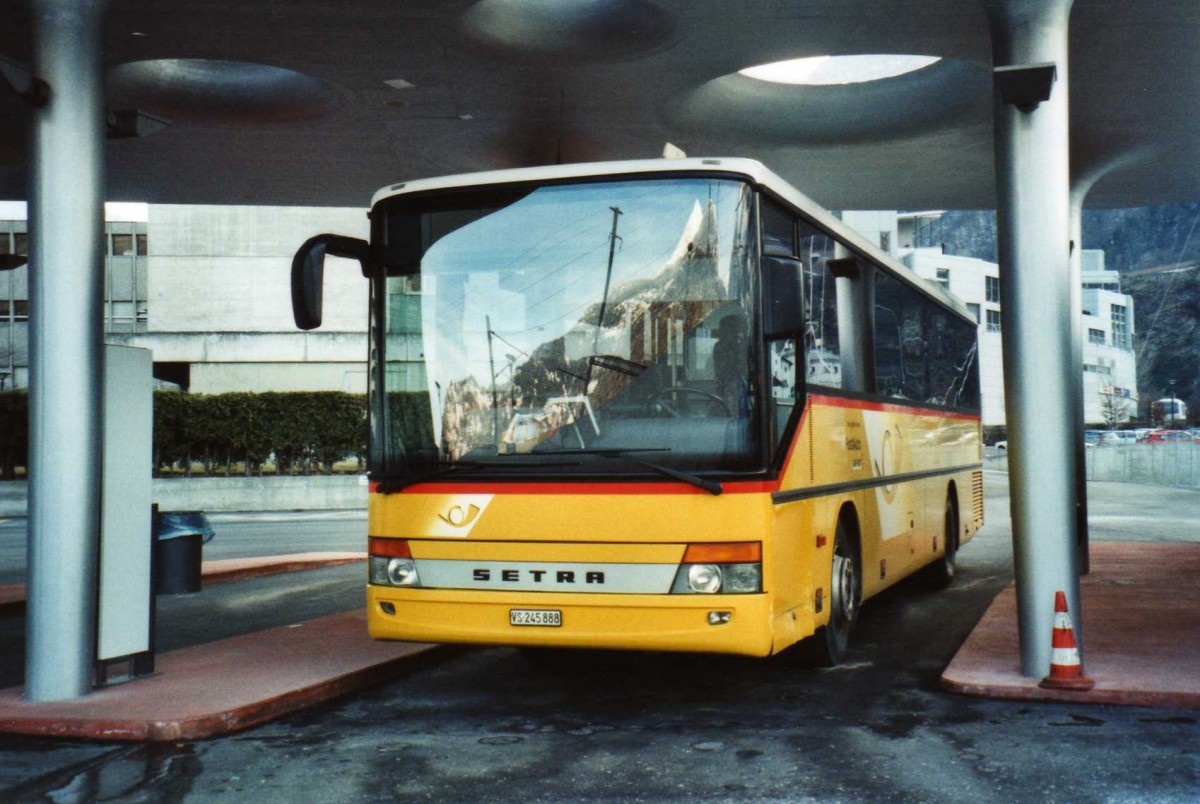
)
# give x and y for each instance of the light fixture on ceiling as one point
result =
(399, 83)
(838, 70)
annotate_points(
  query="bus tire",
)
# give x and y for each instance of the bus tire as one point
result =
(940, 574)
(827, 647)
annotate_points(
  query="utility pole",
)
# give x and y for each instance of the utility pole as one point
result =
(612, 250)
(487, 319)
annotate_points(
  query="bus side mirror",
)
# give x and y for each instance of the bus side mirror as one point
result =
(308, 273)
(782, 312)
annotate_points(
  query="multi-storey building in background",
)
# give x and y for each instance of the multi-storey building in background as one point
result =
(1109, 364)
(206, 289)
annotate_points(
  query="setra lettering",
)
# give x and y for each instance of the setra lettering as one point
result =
(516, 575)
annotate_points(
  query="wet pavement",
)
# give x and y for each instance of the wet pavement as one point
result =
(501, 725)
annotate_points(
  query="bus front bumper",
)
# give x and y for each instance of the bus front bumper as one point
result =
(737, 624)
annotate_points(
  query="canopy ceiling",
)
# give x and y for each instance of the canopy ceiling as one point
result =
(317, 102)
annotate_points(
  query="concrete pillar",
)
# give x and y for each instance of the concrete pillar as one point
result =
(66, 228)
(1041, 373)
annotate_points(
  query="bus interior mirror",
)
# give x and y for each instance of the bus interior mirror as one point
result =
(308, 273)
(782, 314)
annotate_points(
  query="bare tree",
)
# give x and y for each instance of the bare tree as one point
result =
(1113, 409)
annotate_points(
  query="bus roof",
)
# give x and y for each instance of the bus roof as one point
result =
(752, 169)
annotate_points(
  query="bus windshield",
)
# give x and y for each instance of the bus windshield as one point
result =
(599, 328)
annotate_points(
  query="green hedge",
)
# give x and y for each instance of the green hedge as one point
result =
(220, 434)
(302, 433)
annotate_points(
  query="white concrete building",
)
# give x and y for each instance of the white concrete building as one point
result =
(1109, 364)
(207, 289)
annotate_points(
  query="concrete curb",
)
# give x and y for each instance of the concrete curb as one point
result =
(226, 686)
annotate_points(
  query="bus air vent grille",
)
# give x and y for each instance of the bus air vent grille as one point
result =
(977, 495)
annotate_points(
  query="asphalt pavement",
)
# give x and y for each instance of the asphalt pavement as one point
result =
(496, 724)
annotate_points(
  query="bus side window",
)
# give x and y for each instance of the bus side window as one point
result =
(916, 348)
(822, 362)
(782, 354)
(779, 240)
(889, 340)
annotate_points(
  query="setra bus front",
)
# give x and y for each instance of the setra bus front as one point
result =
(576, 418)
(559, 396)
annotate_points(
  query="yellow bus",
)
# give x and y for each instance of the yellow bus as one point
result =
(661, 405)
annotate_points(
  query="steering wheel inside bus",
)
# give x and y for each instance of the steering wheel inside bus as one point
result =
(658, 402)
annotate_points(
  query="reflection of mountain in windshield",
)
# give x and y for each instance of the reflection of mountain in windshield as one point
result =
(546, 365)
(687, 289)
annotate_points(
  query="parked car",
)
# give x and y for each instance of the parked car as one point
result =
(1170, 437)
(1114, 437)
(1092, 437)
(1001, 445)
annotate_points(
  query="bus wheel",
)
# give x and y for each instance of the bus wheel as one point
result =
(940, 574)
(828, 645)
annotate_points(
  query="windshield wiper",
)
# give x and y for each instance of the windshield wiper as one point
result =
(711, 486)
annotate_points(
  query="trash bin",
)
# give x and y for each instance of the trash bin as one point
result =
(179, 538)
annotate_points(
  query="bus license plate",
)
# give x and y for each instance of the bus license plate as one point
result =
(546, 617)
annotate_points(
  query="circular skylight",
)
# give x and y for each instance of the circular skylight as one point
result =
(837, 100)
(838, 70)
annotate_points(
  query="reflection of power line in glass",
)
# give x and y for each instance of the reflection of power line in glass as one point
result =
(612, 251)
(564, 233)
(558, 293)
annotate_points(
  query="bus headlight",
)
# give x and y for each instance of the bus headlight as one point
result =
(704, 578)
(386, 571)
(402, 572)
(390, 563)
(732, 568)
(743, 578)
(709, 579)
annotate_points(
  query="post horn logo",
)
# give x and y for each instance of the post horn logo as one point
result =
(888, 462)
(460, 517)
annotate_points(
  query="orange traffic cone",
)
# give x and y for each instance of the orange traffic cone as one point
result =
(1066, 671)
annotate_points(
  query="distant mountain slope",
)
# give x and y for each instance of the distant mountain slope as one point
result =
(1167, 339)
